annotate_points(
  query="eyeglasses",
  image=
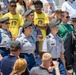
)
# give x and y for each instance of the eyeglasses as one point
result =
(67, 17)
(12, 5)
(6, 22)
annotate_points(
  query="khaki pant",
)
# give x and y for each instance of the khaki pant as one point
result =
(40, 46)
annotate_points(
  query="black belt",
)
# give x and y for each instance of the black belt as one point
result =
(27, 53)
(56, 59)
(5, 48)
(22, 55)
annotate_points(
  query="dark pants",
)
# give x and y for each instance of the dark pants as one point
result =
(74, 61)
(4, 51)
(38, 61)
(30, 59)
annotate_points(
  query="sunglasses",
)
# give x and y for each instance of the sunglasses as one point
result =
(67, 16)
(6, 22)
(13, 5)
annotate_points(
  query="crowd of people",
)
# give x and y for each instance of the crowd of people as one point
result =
(37, 38)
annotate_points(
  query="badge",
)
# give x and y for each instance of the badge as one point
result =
(60, 41)
(4, 41)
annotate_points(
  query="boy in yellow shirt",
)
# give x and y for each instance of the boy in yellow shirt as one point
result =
(15, 20)
(41, 19)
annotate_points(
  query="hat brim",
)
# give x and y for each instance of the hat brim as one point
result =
(53, 25)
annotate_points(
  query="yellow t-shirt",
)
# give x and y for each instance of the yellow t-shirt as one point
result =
(15, 22)
(1, 15)
(41, 19)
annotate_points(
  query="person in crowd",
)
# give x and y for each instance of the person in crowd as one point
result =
(54, 45)
(19, 67)
(70, 49)
(40, 18)
(36, 32)
(70, 7)
(21, 7)
(43, 69)
(58, 15)
(6, 64)
(27, 44)
(30, 4)
(64, 28)
(4, 6)
(49, 7)
(15, 19)
(5, 37)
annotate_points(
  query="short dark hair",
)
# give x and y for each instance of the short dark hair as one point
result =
(38, 2)
(58, 11)
(64, 12)
(12, 1)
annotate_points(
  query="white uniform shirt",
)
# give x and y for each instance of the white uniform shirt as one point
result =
(6, 38)
(53, 45)
(27, 44)
(70, 8)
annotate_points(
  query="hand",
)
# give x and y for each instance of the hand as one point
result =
(22, 13)
(56, 64)
(40, 37)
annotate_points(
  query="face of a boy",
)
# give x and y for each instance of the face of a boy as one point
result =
(55, 29)
(38, 8)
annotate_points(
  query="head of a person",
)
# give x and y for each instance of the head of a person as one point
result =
(46, 60)
(65, 16)
(54, 25)
(12, 6)
(58, 14)
(27, 28)
(4, 22)
(73, 22)
(38, 6)
(19, 66)
(71, 0)
(15, 47)
(29, 15)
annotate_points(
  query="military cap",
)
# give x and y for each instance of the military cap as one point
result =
(54, 22)
(27, 24)
(15, 45)
(28, 12)
(2, 20)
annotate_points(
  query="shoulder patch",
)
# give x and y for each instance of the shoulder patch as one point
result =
(48, 36)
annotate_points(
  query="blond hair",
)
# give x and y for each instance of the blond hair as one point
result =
(19, 66)
(46, 56)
